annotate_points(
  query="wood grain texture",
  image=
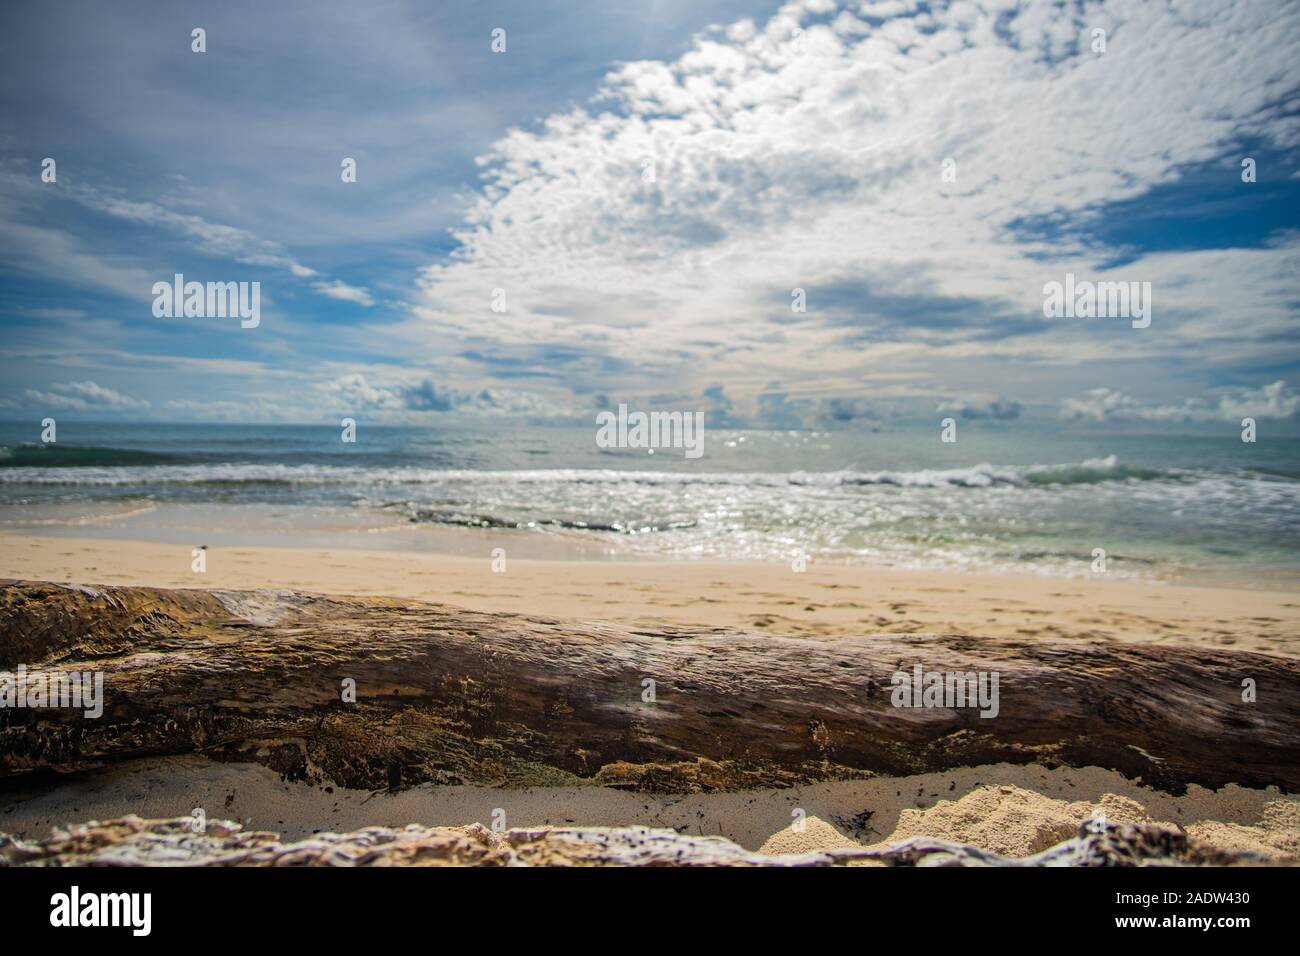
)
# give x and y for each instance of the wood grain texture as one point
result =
(451, 695)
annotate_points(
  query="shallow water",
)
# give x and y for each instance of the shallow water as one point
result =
(1024, 499)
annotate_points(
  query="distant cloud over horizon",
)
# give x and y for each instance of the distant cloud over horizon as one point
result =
(1276, 401)
(83, 397)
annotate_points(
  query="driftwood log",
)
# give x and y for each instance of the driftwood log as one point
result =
(450, 695)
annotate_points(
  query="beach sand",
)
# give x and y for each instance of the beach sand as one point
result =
(1011, 810)
(1014, 810)
(823, 600)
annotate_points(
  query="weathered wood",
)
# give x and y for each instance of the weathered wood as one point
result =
(452, 695)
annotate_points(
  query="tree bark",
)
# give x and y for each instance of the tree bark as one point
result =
(450, 695)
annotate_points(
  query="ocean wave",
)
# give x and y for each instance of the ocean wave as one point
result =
(106, 517)
(52, 455)
(986, 475)
(478, 520)
(91, 466)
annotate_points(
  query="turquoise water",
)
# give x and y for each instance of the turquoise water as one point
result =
(1179, 507)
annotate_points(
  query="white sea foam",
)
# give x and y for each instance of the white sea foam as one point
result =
(975, 476)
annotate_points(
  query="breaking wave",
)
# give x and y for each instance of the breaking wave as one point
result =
(48, 465)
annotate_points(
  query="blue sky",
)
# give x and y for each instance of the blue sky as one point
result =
(647, 184)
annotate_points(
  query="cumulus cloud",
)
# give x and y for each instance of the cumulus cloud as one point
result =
(676, 215)
(845, 409)
(1002, 409)
(776, 409)
(84, 397)
(719, 402)
(719, 409)
(1276, 400)
(427, 395)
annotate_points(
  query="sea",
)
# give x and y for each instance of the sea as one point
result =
(1027, 499)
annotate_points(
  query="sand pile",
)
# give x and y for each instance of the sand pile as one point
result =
(1012, 821)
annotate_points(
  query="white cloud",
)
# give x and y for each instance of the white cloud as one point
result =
(84, 397)
(997, 408)
(51, 251)
(213, 238)
(1229, 404)
(344, 292)
(673, 218)
(423, 394)
(1271, 401)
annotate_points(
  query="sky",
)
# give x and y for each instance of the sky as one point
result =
(803, 215)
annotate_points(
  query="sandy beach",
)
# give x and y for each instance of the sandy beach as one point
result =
(824, 600)
(1012, 810)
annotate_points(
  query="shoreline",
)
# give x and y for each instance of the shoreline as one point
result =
(824, 600)
(368, 528)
